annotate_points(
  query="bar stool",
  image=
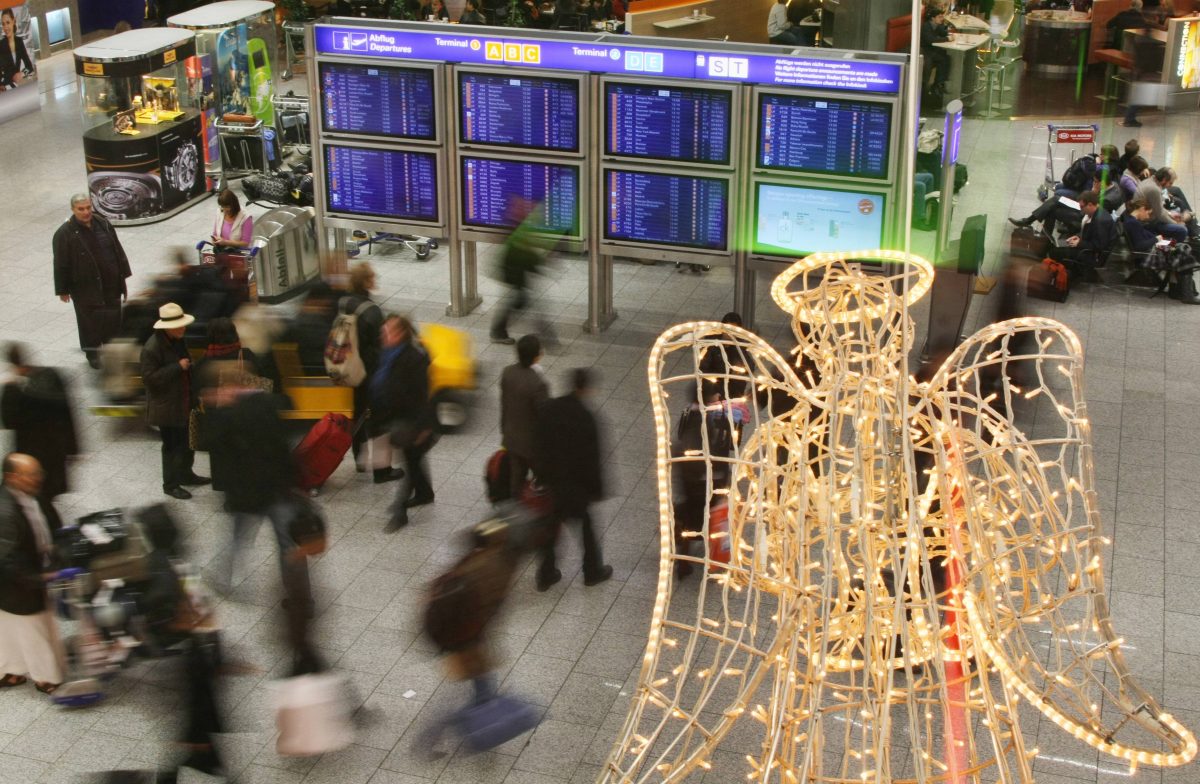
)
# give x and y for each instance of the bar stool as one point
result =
(1114, 59)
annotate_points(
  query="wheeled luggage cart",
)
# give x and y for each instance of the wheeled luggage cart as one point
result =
(1073, 134)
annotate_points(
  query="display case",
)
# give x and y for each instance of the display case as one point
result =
(233, 64)
(141, 125)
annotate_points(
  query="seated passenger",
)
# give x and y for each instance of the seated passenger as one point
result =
(1049, 213)
(1135, 223)
(934, 30)
(1150, 190)
(1175, 203)
(779, 29)
(1088, 249)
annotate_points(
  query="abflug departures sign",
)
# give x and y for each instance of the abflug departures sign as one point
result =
(827, 74)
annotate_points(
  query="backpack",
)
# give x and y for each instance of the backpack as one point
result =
(1080, 175)
(496, 476)
(343, 363)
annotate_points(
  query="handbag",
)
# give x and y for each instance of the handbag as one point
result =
(312, 715)
(195, 422)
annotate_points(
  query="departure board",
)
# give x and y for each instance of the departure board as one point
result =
(378, 100)
(667, 122)
(831, 136)
(793, 220)
(500, 193)
(666, 209)
(382, 183)
(519, 111)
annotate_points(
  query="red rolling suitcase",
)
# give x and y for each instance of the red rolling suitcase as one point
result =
(322, 450)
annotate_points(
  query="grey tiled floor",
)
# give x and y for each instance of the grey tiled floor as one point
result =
(573, 651)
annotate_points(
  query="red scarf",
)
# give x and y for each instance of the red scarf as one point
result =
(222, 349)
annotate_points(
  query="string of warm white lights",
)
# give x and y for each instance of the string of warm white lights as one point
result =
(892, 575)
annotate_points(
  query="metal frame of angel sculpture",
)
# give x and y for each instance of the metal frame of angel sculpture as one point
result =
(906, 573)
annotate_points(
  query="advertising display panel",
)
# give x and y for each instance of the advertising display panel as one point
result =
(514, 110)
(795, 220)
(378, 100)
(399, 185)
(669, 122)
(499, 193)
(655, 208)
(840, 137)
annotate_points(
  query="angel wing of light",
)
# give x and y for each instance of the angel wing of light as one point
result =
(893, 576)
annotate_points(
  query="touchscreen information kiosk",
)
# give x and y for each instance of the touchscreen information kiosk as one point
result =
(793, 219)
(519, 111)
(391, 184)
(494, 191)
(667, 122)
(378, 100)
(849, 138)
(666, 209)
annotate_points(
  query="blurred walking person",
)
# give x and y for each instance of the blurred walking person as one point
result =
(367, 324)
(522, 392)
(167, 374)
(401, 416)
(520, 258)
(569, 460)
(36, 406)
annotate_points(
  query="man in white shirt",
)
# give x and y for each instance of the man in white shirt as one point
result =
(779, 29)
(29, 642)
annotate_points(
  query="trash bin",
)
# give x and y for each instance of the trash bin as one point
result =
(287, 258)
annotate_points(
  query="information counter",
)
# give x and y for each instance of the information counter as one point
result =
(1056, 42)
(142, 138)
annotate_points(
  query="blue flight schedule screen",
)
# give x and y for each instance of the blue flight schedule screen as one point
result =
(805, 134)
(667, 122)
(500, 193)
(666, 209)
(382, 183)
(378, 100)
(519, 111)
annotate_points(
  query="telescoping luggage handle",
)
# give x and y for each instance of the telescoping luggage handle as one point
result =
(1079, 133)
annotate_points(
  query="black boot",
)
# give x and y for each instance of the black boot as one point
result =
(1023, 223)
(1187, 288)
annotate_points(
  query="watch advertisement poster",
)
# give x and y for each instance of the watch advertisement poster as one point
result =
(18, 73)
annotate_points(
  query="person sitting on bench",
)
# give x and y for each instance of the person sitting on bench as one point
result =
(1088, 249)
(1150, 191)
(1049, 213)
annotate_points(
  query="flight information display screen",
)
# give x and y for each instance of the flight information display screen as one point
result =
(519, 111)
(829, 136)
(793, 220)
(666, 209)
(382, 183)
(502, 193)
(378, 100)
(667, 122)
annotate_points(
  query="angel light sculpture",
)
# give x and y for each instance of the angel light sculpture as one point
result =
(908, 579)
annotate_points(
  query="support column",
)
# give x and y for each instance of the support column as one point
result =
(600, 291)
(464, 279)
(745, 279)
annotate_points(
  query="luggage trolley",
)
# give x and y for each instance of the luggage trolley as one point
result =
(1075, 134)
(292, 129)
(243, 149)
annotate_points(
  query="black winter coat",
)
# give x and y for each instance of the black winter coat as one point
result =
(569, 449)
(368, 325)
(168, 395)
(403, 395)
(76, 271)
(22, 590)
(37, 409)
(248, 447)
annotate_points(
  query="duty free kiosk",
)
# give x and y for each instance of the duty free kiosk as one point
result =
(142, 135)
(232, 70)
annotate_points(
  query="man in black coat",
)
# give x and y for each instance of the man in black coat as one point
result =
(522, 392)
(167, 374)
(568, 442)
(29, 643)
(90, 268)
(1088, 249)
(36, 407)
(368, 324)
(400, 409)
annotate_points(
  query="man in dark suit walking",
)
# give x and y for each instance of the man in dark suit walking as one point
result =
(569, 465)
(90, 268)
(36, 406)
(29, 642)
(522, 391)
